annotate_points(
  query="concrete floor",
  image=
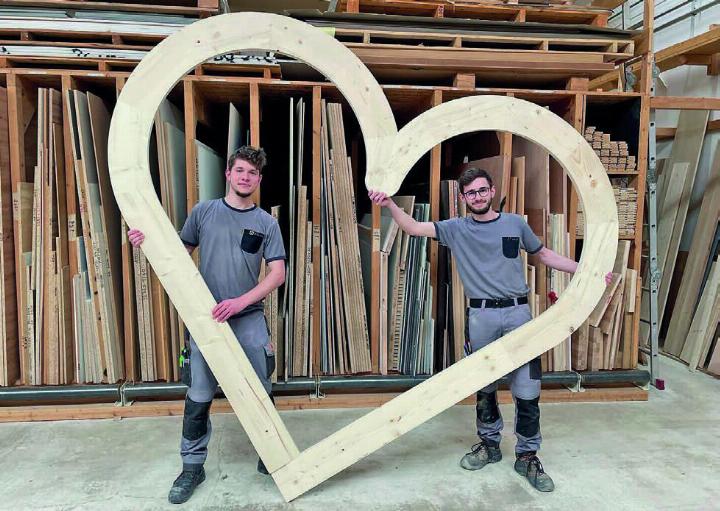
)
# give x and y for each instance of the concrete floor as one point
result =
(662, 454)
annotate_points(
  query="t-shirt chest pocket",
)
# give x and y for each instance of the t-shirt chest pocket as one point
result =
(251, 241)
(511, 246)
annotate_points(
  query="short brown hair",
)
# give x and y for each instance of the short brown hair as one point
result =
(254, 155)
(470, 174)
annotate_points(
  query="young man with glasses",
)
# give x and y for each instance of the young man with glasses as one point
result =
(486, 246)
(234, 237)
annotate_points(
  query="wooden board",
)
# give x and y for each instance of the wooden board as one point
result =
(386, 149)
(697, 260)
(9, 339)
(686, 148)
(704, 322)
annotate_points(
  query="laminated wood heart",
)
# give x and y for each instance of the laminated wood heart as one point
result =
(390, 155)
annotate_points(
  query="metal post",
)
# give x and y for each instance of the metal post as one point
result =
(654, 272)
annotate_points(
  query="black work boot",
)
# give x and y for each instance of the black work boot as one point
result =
(185, 484)
(528, 465)
(480, 455)
(261, 467)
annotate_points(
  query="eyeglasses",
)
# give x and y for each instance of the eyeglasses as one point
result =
(482, 192)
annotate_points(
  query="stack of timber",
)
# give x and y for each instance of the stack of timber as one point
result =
(675, 185)
(606, 339)
(344, 325)
(103, 40)
(97, 287)
(298, 342)
(193, 9)
(613, 154)
(626, 201)
(692, 330)
(520, 11)
(438, 49)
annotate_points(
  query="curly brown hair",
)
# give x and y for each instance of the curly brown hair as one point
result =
(254, 155)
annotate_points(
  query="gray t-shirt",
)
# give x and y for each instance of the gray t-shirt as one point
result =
(233, 242)
(488, 253)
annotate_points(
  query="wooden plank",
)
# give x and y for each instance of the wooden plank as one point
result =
(697, 259)
(686, 148)
(130, 320)
(595, 349)
(110, 222)
(316, 222)
(518, 172)
(605, 301)
(581, 338)
(704, 322)
(9, 338)
(684, 103)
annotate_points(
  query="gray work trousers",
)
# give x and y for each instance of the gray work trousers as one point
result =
(486, 325)
(252, 334)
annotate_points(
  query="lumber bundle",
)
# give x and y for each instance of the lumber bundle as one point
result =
(693, 322)
(537, 11)
(300, 343)
(189, 8)
(626, 201)
(97, 286)
(606, 340)
(344, 323)
(613, 154)
(675, 186)
(46, 355)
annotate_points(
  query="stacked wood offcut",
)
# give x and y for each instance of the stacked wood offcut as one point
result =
(613, 154)
(296, 348)
(606, 340)
(626, 202)
(344, 325)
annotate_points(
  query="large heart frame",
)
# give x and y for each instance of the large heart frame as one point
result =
(390, 155)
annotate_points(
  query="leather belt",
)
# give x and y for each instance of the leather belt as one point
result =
(497, 303)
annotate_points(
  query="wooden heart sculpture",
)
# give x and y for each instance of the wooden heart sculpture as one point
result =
(390, 155)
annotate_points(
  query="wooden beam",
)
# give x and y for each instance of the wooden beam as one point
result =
(669, 133)
(464, 81)
(316, 219)
(435, 167)
(577, 83)
(684, 103)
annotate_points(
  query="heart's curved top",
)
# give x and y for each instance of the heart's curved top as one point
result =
(228, 33)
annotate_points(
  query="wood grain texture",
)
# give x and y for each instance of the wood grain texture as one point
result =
(390, 155)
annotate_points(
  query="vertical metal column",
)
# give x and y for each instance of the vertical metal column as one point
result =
(654, 272)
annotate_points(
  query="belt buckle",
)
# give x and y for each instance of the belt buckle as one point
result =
(497, 303)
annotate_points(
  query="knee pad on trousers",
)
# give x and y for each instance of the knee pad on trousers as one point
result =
(528, 417)
(487, 407)
(195, 419)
